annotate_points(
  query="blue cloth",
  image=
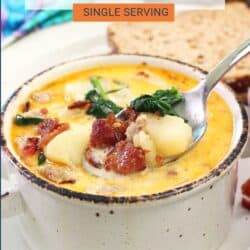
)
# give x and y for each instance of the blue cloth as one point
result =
(17, 21)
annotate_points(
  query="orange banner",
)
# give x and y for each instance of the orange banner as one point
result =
(123, 12)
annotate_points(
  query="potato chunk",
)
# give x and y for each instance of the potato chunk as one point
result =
(68, 147)
(170, 134)
(143, 140)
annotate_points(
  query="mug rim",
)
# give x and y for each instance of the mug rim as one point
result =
(212, 175)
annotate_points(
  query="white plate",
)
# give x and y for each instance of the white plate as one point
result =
(47, 47)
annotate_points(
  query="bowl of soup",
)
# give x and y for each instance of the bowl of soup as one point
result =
(88, 180)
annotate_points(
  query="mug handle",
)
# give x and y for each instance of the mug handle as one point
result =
(11, 199)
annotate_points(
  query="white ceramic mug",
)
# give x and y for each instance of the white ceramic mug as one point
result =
(192, 217)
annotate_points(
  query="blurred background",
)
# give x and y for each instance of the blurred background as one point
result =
(17, 21)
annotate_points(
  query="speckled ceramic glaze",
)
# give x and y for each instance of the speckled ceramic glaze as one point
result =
(195, 216)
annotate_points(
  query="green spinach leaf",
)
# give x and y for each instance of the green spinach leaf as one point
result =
(100, 106)
(95, 80)
(41, 158)
(162, 101)
(25, 121)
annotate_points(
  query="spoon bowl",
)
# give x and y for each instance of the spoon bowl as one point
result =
(193, 108)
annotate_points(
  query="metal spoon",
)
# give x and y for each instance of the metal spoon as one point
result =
(193, 108)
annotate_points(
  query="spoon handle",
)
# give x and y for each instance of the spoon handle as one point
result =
(225, 65)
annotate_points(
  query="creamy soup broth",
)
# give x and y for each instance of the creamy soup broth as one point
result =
(140, 79)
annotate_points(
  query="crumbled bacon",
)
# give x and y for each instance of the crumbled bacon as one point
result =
(143, 73)
(245, 188)
(50, 128)
(125, 158)
(107, 132)
(110, 133)
(31, 146)
(159, 160)
(47, 126)
(43, 111)
(57, 174)
(79, 105)
(131, 115)
(245, 203)
(26, 107)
